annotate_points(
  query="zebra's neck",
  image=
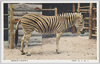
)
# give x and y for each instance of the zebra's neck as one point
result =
(68, 19)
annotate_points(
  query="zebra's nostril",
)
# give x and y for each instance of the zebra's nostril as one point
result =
(80, 22)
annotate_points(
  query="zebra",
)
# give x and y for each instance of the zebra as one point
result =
(47, 25)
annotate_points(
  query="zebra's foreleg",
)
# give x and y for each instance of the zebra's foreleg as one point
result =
(26, 44)
(58, 35)
(22, 43)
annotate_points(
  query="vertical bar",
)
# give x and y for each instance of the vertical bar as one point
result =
(73, 27)
(11, 27)
(90, 21)
(78, 10)
(55, 11)
(94, 21)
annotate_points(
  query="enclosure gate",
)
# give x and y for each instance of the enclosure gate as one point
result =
(92, 18)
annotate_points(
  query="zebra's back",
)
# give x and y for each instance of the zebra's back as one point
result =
(39, 23)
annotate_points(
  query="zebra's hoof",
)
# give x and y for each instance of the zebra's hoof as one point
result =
(57, 51)
(28, 54)
(23, 53)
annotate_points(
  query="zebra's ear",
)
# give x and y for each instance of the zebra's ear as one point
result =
(80, 13)
(82, 16)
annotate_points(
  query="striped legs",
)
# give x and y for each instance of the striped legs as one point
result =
(22, 43)
(58, 35)
(26, 44)
(25, 37)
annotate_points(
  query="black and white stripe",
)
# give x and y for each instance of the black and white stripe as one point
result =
(47, 24)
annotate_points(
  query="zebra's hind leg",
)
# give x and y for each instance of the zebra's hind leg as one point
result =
(58, 35)
(26, 44)
(22, 43)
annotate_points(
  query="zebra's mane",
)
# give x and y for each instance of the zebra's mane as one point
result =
(68, 14)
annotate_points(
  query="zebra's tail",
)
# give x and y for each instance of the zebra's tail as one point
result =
(16, 34)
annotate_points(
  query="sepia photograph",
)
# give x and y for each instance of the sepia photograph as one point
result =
(48, 32)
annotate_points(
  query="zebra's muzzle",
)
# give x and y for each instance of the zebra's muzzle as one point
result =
(82, 32)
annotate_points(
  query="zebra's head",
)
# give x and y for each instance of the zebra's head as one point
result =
(73, 19)
(79, 22)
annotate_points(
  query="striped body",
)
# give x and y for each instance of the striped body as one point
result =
(47, 25)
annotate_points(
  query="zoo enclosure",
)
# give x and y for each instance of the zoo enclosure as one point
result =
(12, 21)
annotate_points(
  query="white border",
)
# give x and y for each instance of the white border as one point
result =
(2, 32)
(49, 1)
(49, 61)
(98, 12)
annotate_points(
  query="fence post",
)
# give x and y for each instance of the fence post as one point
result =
(78, 10)
(11, 27)
(73, 27)
(90, 21)
(94, 20)
(55, 11)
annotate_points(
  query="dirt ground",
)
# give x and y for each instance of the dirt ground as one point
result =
(70, 47)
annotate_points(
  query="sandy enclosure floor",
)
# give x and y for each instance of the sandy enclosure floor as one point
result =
(70, 48)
